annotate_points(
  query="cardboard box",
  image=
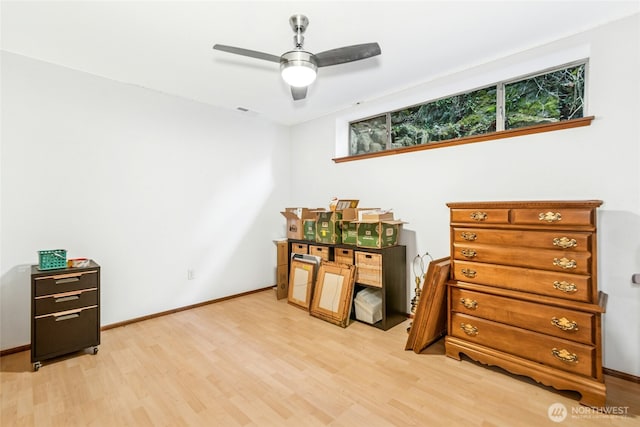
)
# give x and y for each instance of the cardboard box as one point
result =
(349, 232)
(376, 216)
(379, 234)
(295, 221)
(349, 226)
(342, 204)
(309, 229)
(329, 227)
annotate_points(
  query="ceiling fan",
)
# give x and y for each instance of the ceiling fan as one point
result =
(299, 67)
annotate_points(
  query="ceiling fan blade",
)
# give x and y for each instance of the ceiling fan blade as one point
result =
(298, 93)
(247, 52)
(345, 54)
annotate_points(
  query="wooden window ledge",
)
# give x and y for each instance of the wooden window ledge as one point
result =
(528, 130)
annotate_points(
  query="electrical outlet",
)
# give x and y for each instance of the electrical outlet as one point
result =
(190, 274)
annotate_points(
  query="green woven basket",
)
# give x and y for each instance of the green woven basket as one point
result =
(52, 259)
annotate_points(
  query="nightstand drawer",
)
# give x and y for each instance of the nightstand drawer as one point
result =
(66, 282)
(551, 351)
(574, 287)
(65, 301)
(559, 322)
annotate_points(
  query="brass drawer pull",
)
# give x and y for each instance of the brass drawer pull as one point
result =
(467, 272)
(478, 216)
(468, 329)
(466, 235)
(469, 303)
(550, 216)
(469, 253)
(565, 263)
(564, 355)
(564, 324)
(565, 287)
(565, 242)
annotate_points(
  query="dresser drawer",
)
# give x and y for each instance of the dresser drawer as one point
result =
(65, 332)
(559, 322)
(480, 216)
(552, 351)
(553, 216)
(545, 259)
(573, 287)
(576, 241)
(343, 256)
(65, 301)
(321, 251)
(369, 269)
(66, 282)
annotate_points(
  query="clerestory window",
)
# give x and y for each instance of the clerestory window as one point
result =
(530, 102)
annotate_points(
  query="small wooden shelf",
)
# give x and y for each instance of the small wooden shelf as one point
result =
(393, 277)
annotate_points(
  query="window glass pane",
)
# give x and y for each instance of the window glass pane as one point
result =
(449, 118)
(368, 135)
(548, 98)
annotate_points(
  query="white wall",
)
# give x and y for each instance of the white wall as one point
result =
(595, 162)
(147, 184)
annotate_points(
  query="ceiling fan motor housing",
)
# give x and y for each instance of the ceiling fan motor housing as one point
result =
(298, 24)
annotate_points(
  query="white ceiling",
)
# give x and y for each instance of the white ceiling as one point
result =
(167, 46)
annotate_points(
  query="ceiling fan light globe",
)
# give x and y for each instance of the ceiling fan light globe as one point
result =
(298, 68)
(299, 75)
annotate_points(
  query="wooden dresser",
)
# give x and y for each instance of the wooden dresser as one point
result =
(523, 293)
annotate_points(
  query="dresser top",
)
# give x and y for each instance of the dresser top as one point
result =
(36, 271)
(524, 204)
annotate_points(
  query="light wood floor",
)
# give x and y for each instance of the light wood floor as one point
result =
(255, 361)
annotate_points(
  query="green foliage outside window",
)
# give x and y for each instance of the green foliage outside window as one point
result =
(449, 118)
(368, 136)
(547, 98)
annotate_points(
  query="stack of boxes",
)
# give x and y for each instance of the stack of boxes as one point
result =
(344, 224)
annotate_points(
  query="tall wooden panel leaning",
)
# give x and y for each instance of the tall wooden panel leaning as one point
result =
(282, 270)
(65, 311)
(523, 293)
